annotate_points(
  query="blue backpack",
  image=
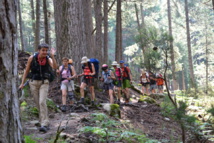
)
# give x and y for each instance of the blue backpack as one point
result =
(96, 66)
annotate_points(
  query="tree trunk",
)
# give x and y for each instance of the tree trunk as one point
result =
(73, 18)
(207, 74)
(33, 18)
(20, 26)
(105, 39)
(192, 78)
(171, 47)
(183, 80)
(46, 25)
(11, 128)
(98, 18)
(37, 27)
(118, 53)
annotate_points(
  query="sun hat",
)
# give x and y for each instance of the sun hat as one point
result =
(70, 61)
(114, 63)
(84, 60)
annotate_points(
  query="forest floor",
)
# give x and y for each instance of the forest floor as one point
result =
(142, 117)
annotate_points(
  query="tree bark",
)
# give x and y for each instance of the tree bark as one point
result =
(183, 80)
(20, 26)
(46, 25)
(105, 39)
(207, 59)
(171, 46)
(11, 128)
(37, 27)
(98, 18)
(33, 18)
(73, 18)
(192, 78)
(118, 53)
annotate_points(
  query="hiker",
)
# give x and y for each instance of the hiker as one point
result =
(117, 82)
(67, 74)
(38, 65)
(126, 80)
(144, 80)
(160, 83)
(88, 79)
(107, 78)
(153, 85)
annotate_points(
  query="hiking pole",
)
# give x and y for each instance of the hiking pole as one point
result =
(26, 83)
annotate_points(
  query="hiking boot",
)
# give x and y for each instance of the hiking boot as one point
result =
(118, 102)
(63, 108)
(44, 129)
(81, 101)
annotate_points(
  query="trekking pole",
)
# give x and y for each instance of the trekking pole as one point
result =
(26, 83)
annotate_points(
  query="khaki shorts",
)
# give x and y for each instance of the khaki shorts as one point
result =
(68, 86)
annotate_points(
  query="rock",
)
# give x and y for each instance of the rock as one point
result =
(144, 106)
(106, 106)
(35, 122)
(115, 110)
(32, 128)
(167, 119)
(157, 96)
(51, 116)
(146, 99)
(63, 135)
(74, 115)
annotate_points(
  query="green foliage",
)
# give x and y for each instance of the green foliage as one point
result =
(211, 110)
(30, 139)
(23, 104)
(33, 110)
(146, 99)
(115, 110)
(99, 116)
(51, 104)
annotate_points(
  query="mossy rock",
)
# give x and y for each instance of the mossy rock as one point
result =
(115, 110)
(147, 99)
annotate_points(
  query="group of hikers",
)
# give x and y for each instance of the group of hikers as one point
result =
(117, 79)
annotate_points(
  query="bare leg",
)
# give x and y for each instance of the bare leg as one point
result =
(64, 95)
(92, 93)
(83, 85)
(111, 96)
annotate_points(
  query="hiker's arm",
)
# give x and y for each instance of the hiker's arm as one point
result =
(112, 76)
(26, 71)
(130, 75)
(73, 72)
(93, 69)
(52, 61)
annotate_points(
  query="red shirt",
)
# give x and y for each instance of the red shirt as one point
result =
(125, 71)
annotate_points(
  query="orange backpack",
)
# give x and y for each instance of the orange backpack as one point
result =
(160, 81)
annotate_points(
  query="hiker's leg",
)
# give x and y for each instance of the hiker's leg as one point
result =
(92, 93)
(64, 95)
(143, 89)
(34, 88)
(43, 93)
(82, 87)
(127, 93)
(111, 96)
(119, 92)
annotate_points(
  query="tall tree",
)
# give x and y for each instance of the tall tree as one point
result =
(98, 17)
(73, 26)
(171, 45)
(118, 51)
(37, 27)
(33, 16)
(192, 78)
(11, 128)
(207, 59)
(20, 26)
(105, 39)
(46, 23)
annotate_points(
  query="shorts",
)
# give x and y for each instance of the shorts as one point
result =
(88, 81)
(126, 84)
(68, 86)
(160, 87)
(146, 85)
(119, 83)
(153, 86)
(109, 86)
